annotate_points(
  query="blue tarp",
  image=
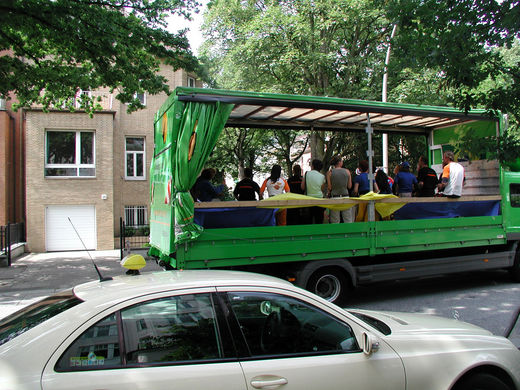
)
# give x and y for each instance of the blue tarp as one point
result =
(448, 210)
(234, 217)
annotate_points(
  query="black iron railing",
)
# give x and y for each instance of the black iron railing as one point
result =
(11, 234)
(133, 237)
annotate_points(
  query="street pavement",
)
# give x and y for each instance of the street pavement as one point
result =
(33, 276)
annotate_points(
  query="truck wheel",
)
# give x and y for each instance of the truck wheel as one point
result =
(330, 284)
(514, 271)
(481, 381)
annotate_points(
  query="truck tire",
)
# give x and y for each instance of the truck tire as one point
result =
(514, 271)
(331, 284)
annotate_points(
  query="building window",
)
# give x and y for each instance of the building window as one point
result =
(514, 190)
(79, 97)
(141, 97)
(191, 82)
(136, 216)
(70, 154)
(135, 158)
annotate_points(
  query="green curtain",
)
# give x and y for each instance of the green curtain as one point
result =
(198, 129)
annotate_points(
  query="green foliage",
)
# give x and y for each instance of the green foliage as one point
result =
(56, 48)
(322, 47)
(137, 231)
(508, 145)
(504, 148)
(467, 41)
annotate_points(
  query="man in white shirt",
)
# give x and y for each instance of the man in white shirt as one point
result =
(452, 176)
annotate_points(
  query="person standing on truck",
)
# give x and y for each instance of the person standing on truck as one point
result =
(361, 187)
(276, 185)
(405, 181)
(361, 184)
(204, 191)
(452, 176)
(314, 184)
(339, 181)
(426, 178)
(295, 215)
(246, 189)
(383, 182)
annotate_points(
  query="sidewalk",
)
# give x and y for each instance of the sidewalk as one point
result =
(36, 275)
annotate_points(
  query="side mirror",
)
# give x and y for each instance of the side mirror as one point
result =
(370, 344)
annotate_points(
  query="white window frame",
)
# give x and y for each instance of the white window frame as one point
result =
(191, 80)
(77, 100)
(77, 164)
(136, 210)
(143, 101)
(135, 153)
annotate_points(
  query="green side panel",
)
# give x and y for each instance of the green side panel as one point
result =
(437, 156)
(245, 246)
(440, 233)
(248, 246)
(511, 200)
(450, 134)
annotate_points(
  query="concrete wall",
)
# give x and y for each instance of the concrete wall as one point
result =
(43, 191)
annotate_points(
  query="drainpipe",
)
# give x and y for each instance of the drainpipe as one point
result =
(3, 107)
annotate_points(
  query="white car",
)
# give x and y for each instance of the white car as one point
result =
(232, 330)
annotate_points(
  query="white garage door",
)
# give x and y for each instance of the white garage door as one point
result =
(59, 232)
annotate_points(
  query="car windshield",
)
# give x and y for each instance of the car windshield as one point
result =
(34, 314)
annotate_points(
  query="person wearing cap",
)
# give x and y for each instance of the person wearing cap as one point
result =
(405, 181)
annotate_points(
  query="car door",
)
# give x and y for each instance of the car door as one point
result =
(164, 342)
(294, 344)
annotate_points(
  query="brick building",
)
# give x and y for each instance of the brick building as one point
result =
(86, 173)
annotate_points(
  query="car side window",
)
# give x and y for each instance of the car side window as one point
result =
(274, 324)
(174, 329)
(96, 348)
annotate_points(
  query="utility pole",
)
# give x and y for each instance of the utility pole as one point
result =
(383, 99)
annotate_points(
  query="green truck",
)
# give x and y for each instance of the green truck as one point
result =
(425, 237)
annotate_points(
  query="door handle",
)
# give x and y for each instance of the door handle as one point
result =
(268, 381)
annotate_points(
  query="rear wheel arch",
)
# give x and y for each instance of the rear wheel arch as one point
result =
(330, 273)
(482, 373)
(515, 269)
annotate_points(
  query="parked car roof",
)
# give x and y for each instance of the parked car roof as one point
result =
(148, 283)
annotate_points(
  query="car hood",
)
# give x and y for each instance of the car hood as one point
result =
(413, 323)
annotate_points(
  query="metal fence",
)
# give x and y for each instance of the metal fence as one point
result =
(133, 237)
(11, 234)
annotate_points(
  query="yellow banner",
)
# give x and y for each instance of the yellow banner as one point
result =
(384, 209)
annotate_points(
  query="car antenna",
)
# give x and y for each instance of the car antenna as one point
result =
(101, 277)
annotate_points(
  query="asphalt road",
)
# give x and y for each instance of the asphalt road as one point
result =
(487, 299)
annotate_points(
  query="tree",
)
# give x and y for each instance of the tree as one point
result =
(239, 148)
(319, 47)
(53, 49)
(465, 40)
